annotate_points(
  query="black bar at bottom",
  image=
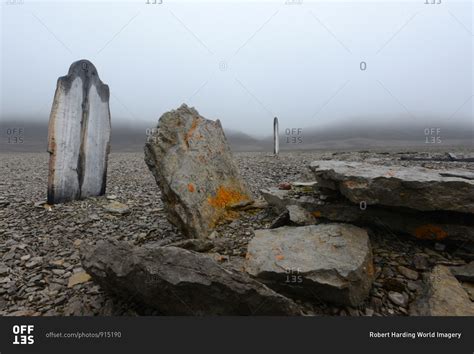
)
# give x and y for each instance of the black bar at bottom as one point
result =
(236, 334)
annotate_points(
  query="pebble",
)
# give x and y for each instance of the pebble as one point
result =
(284, 186)
(413, 286)
(393, 284)
(397, 298)
(439, 246)
(408, 273)
(4, 270)
(78, 278)
(420, 262)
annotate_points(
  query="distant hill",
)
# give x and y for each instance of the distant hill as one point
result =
(126, 138)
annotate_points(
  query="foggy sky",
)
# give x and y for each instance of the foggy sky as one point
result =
(246, 62)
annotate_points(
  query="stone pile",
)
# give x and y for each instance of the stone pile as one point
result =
(426, 204)
(420, 202)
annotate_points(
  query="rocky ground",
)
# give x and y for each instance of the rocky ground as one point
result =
(40, 268)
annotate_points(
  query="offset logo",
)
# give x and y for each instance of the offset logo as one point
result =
(23, 334)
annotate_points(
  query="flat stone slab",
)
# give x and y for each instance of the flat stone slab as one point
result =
(194, 168)
(176, 281)
(411, 187)
(280, 199)
(424, 225)
(329, 262)
(78, 135)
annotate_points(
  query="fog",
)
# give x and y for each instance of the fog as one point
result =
(313, 65)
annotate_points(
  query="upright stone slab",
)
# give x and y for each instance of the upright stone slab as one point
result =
(276, 142)
(78, 135)
(193, 166)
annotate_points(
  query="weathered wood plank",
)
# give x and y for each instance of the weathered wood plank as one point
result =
(78, 135)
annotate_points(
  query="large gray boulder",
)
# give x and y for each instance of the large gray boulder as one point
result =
(176, 281)
(411, 187)
(193, 166)
(442, 295)
(328, 262)
(78, 135)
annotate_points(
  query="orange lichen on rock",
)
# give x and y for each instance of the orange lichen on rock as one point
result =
(225, 197)
(190, 133)
(316, 214)
(279, 257)
(354, 184)
(191, 187)
(370, 269)
(430, 232)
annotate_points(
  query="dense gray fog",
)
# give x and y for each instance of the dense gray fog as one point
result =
(314, 64)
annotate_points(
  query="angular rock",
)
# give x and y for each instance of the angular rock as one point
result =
(331, 262)
(193, 166)
(299, 216)
(420, 261)
(393, 284)
(78, 278)
(408, 273)
(397, 298)
(280, 199)
(4, 269)
(308, 186)
(465, 272)
(428, 225)
(282, 219)
(294, 215)
(442, 295)
(176, 281)
(411, 187)
(284, 186)
(78, 135)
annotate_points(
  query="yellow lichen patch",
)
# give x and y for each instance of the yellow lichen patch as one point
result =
(191, 187)
(317, 214)
(225, 197)
(430, 232)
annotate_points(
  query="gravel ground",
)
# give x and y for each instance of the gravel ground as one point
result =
(39, 245)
